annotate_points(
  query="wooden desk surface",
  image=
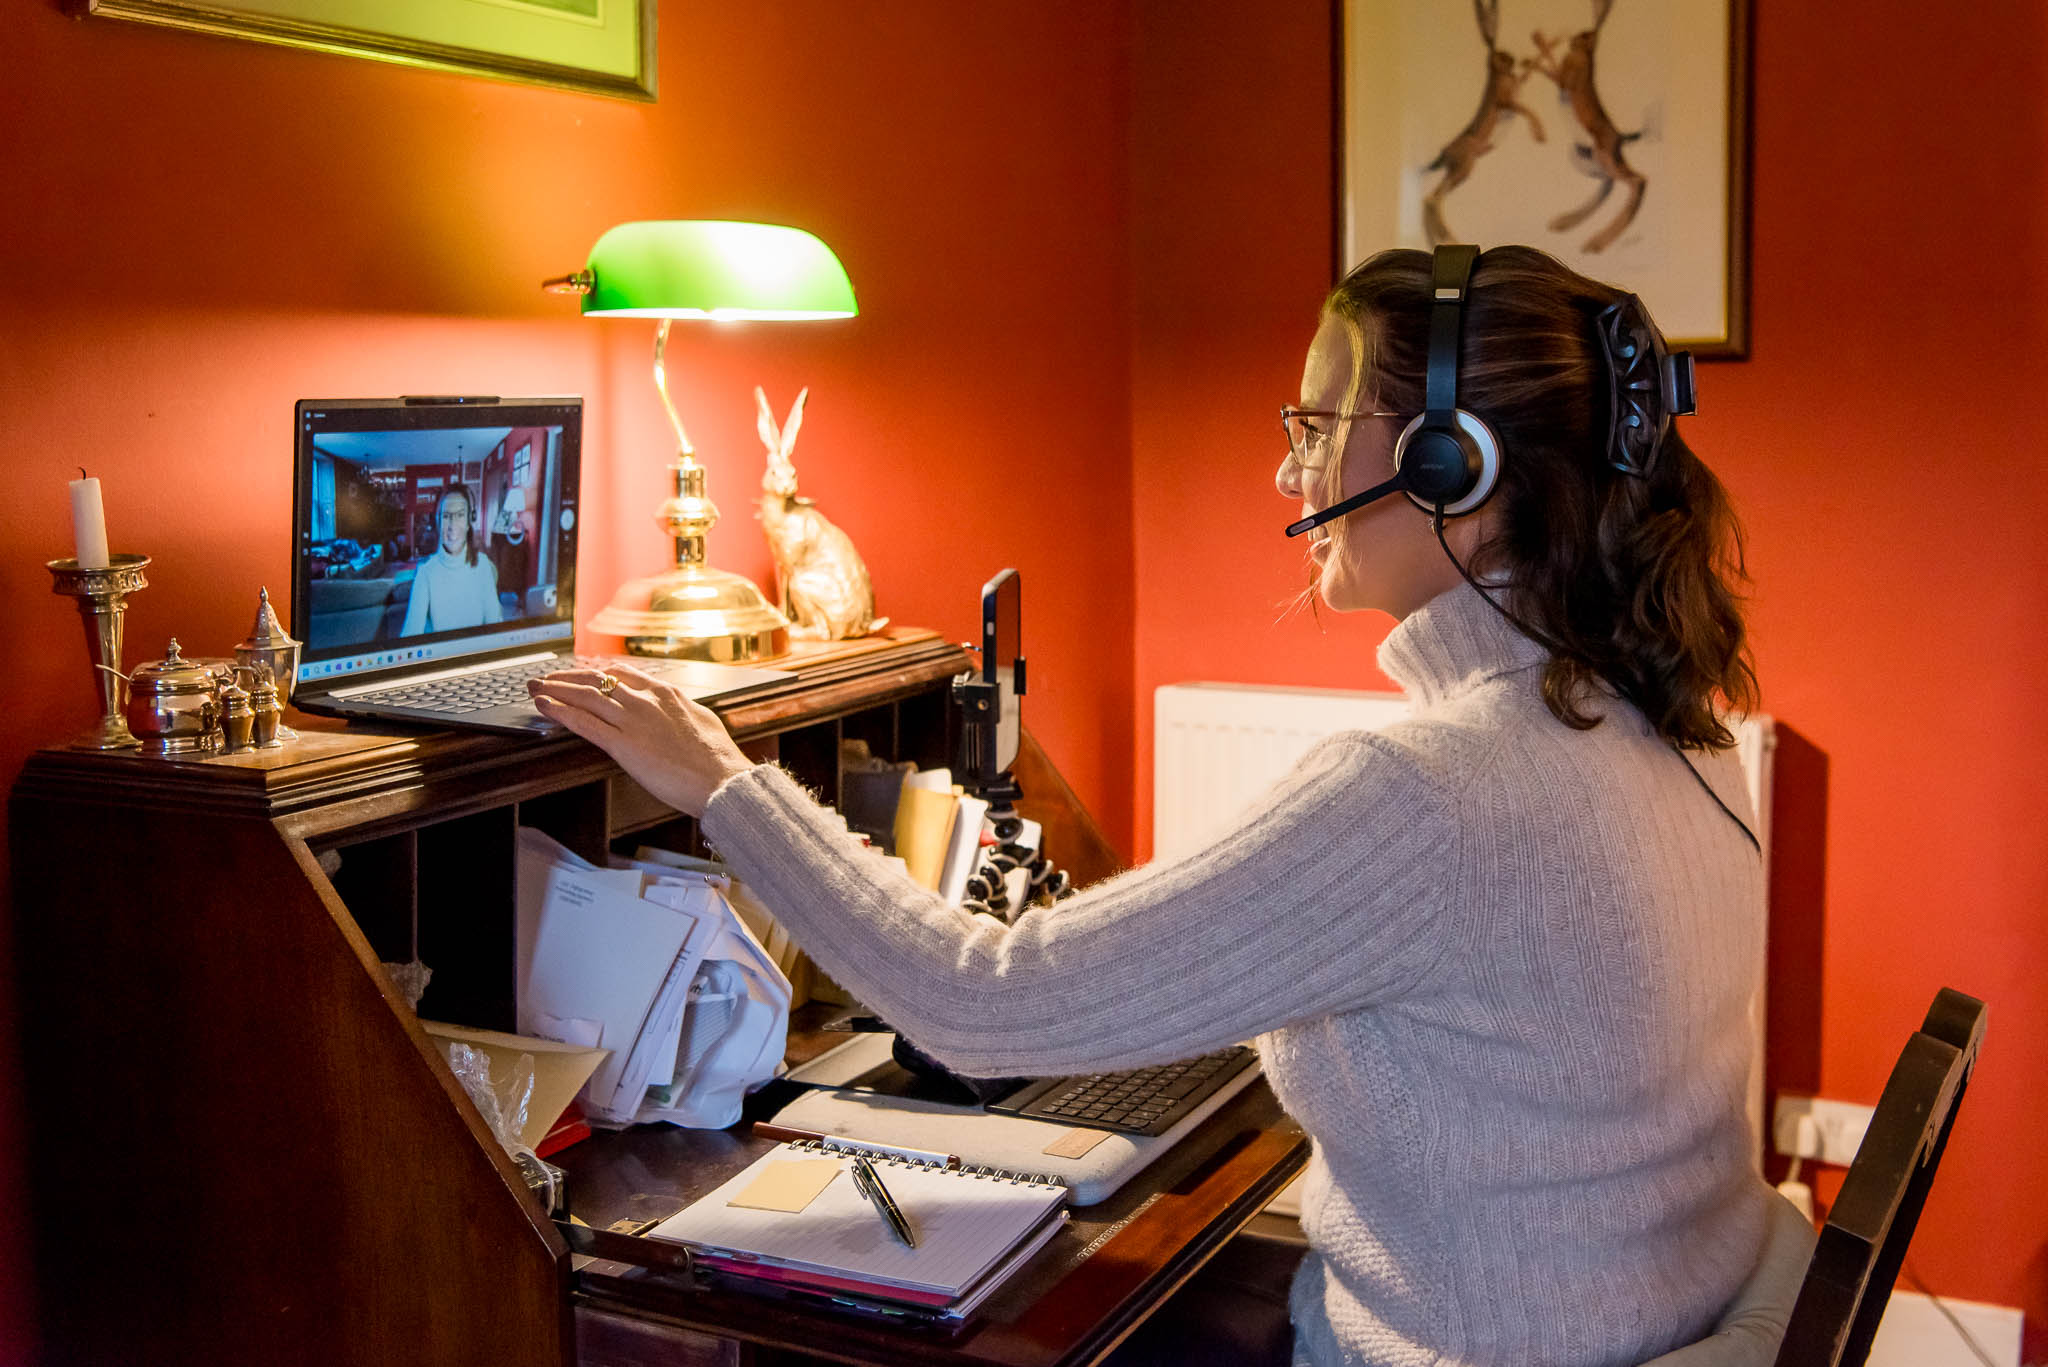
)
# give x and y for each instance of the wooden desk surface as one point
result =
(1099, 1277)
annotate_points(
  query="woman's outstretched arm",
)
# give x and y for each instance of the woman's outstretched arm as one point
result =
(1328, 897)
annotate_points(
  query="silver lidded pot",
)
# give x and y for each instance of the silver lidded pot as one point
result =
(173, 705)
(269, 645)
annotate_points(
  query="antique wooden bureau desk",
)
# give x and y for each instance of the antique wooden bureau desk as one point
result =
(243, 1149)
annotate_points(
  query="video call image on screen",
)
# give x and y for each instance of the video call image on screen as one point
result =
(419, 533)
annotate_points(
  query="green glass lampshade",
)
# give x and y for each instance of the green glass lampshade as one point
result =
(698, 268)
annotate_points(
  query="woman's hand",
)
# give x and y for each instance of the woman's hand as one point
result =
(676, 749)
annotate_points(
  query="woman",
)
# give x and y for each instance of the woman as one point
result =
(453, 588)
(1497, 957)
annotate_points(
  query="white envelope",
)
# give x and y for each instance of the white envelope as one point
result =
(599, 951)
(652, 1062)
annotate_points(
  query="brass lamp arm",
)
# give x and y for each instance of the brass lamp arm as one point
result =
(661, 384)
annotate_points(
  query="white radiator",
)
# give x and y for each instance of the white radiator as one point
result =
(1219, 747)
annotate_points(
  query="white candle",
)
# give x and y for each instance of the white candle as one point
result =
(89, 524)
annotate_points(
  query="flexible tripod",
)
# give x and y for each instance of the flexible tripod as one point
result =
(989, 887)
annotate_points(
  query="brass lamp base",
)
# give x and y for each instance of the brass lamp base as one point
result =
(692, 611)
(695, 612)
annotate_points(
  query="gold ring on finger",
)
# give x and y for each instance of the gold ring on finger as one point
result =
(607, 685)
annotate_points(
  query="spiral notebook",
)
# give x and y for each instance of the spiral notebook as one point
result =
(796, 1210)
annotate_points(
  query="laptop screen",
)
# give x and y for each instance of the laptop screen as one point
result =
(432, 530)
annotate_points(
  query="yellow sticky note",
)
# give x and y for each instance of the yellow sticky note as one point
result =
(788, 1186)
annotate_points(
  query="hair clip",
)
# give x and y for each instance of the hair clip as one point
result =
(1646, 385)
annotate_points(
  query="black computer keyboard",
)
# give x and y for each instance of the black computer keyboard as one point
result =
(1143, 1101)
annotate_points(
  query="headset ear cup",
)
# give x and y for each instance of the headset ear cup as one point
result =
(1457, 468)
(1436, 465)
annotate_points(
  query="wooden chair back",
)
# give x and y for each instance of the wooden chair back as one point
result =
(1861, 1247)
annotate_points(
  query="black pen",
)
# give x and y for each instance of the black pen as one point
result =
(870, 1185)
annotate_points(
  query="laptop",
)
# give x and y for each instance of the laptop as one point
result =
(434, 562)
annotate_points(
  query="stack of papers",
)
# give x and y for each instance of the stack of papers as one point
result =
(605, 960)
(760, 923)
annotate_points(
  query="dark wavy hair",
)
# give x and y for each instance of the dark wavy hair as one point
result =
(1626, 580)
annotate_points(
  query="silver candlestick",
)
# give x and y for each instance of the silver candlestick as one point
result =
(102, 596)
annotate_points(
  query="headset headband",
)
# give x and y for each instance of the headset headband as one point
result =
(1450, 274)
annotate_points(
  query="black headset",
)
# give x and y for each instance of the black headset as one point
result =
(1446, 459)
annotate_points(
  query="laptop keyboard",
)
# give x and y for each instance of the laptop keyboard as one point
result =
(459, 693)
(1144, 1101)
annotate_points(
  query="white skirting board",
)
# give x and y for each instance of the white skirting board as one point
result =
(1914, 1333)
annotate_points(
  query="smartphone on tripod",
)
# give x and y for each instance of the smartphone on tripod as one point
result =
(991, 721)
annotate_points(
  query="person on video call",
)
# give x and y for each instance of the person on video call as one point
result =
(454, 587)
(1498, 958)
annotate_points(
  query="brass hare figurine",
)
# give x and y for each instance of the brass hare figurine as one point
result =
(820, 577)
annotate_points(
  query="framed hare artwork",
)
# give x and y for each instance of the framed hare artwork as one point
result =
(1611, 133)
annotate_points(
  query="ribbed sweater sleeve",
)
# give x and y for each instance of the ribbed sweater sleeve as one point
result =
(1330, 896)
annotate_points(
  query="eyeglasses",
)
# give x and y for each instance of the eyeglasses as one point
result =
(1309, 432)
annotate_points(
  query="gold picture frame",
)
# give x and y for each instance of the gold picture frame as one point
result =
(597, 47)
(1640, 176)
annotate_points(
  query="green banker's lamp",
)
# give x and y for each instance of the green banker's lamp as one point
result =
(721, 272)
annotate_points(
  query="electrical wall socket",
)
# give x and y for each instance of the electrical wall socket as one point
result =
(1814, 1127)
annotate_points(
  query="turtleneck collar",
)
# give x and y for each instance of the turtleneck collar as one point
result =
(1452, 644)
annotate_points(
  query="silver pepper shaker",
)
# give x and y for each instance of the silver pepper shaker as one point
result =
(268, 711)
(237, 716)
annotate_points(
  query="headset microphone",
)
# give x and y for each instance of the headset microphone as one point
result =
(1352, 504)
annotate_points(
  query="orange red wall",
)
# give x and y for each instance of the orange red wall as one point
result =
(1883, 442)
(200, 231)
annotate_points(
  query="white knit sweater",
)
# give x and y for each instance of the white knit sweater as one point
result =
(1498, 969)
